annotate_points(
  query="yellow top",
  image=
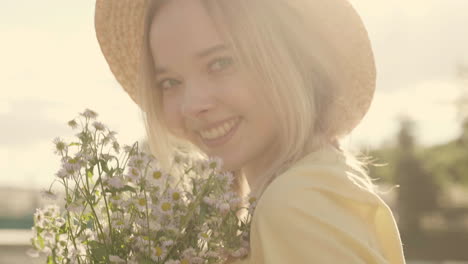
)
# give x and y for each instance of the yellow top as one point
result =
(313, 213)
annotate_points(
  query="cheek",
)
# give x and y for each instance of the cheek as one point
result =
(172, 118)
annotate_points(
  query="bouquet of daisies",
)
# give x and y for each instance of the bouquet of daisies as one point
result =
(121, 207)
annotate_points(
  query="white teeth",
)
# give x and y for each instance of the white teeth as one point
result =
(218, 131)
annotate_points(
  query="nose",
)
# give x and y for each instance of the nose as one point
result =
(197, 101)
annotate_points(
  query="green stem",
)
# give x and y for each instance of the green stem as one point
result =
(70, 231)
(85, 195)
(107, 206)
(190, 214)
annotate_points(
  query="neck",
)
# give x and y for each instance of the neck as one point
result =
(258, 170)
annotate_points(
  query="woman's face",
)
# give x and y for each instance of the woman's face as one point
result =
(207, 97)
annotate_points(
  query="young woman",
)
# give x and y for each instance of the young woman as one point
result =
(270, 86)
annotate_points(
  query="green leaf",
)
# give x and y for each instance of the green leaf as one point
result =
(104, 166)
(128, 188)
(98, 250)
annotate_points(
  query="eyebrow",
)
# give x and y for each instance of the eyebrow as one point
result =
(202, 54)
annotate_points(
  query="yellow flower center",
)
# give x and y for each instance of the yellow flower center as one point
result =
(176, 196)
(158, 251)
(139, 162)
(166, 207)
(212, 165)
(157, 175)
(142, 201)
(184, 261)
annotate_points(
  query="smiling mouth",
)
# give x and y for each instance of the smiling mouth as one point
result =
(221, 134)
(219, 131)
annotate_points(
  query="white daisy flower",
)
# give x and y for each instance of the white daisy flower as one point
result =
(209, 200)
(118, 222)
(115, 259)
(133, 174)
(165, 205)
(142, 202)
(89, 114)
(158, 253)
(60, 146)
(175, 195)
(154, 225)
(49, 238)
(71, 165)
(49, 194)
(99, 126)
(52, 210)
(141, 242)
(84, 157)
(60, 221)
(116, 182)
(227, 177)
(204, 237)
(240, 253)
(76, 206)
(156, 178)
(235, 202)
(116, 199)
(189, 253)
(215, 163)
(167, 243)
(223, 207)
(171, 261)
(197, 260)
(88, 235)
(139, 160)
(33, 253)
(73, 124)
(63, 173)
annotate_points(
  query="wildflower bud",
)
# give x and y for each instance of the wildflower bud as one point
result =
(239, 253)
(60, 145)
(99, 126)
(33, 253)
(116, 259)
(48, 194)
(224, 207)
(89, 114)
(208, 200)
(73, 124)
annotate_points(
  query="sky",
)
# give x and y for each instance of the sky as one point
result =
(51, 69)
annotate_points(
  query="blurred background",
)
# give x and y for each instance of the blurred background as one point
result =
(51, 69)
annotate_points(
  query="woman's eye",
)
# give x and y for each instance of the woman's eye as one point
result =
(220, 64)
(167, 83)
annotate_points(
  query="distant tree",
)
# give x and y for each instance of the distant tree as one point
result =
(462, 103)
(418, 191)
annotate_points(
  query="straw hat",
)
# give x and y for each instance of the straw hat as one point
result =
(120, 23)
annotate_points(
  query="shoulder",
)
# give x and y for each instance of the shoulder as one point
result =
(314, 211)
(320, 193)
(298, 219)
(319, 177)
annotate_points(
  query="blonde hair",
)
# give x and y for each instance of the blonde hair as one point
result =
(276, 42)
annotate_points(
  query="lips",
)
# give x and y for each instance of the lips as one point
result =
(220, 130)
(216, 124)
(223, 139)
